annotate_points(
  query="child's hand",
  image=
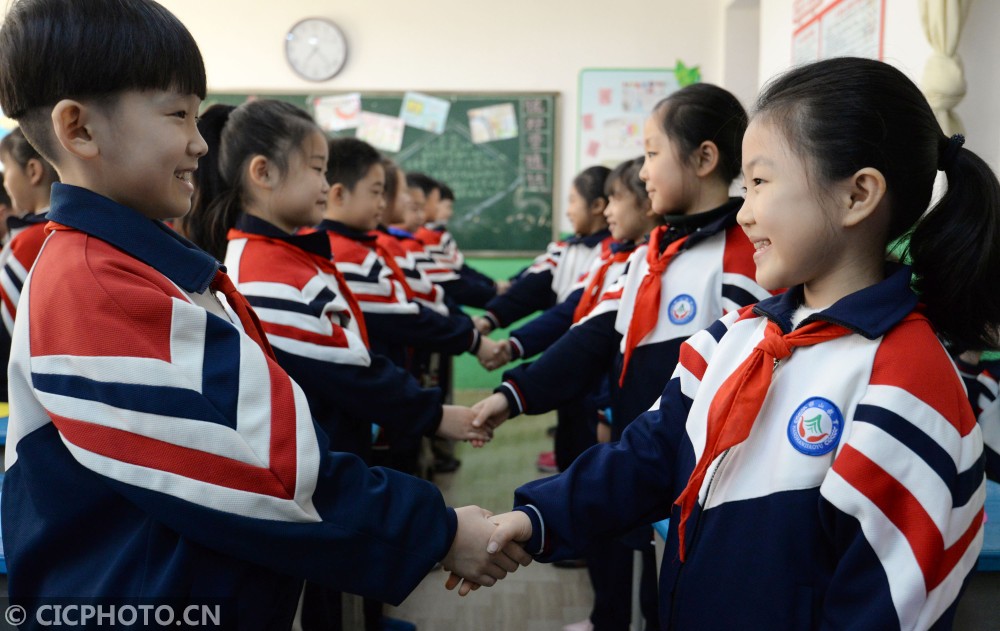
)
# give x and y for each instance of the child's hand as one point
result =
(491, 412)
(482, 325)
(468, 557)
(498, 353)
(512, 527)
(492, 354)
(603, 433)
(456, 424)
(502, 286)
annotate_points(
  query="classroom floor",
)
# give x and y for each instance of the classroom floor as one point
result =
(539, 597)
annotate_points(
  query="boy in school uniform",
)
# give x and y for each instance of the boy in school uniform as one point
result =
(446, 265)
(398, 324)
(156, 449)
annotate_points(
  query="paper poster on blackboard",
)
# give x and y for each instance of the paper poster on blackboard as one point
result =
(504, 188)
(614, 104)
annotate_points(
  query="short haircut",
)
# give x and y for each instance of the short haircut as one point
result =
(391, 179)
(17, 147)
(350, 161)
(422, 181)
(589, 183)
(67, 49)
(446, 192)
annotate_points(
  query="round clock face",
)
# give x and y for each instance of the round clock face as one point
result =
(316, 49)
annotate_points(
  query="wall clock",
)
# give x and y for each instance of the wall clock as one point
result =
(316, 49)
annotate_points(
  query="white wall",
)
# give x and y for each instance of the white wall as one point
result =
(461, 45)
(906, 47)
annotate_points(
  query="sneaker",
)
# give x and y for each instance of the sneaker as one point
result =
(547, 462)
(583, 625)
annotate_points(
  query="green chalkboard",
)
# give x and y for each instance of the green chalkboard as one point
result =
(503, 187)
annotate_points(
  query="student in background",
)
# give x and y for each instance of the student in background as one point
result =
(156, 449)
(555, 275)
(447, 267)
(396, 322)
(981, 374)
(27, 180)
(269, 151)
(817, 454)
(6, 210)
(692, 271)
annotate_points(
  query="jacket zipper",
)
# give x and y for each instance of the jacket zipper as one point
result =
(694, 539)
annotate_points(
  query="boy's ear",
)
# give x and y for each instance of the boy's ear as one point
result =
(706, 158)
(337, 193)
(862, 194)
(72, 123)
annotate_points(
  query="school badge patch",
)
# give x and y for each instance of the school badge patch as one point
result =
(682, 309)
(815, 427)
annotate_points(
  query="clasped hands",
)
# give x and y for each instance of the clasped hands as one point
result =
(493, 354)
(486, 548)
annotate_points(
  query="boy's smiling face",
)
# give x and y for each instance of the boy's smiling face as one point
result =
(149, 147)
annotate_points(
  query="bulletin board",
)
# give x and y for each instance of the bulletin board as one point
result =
(613, 105)
(495, 150)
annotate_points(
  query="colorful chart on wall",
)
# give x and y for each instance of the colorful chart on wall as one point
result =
(837, 28)
(613, 105)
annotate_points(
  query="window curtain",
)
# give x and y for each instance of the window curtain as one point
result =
(943, 82)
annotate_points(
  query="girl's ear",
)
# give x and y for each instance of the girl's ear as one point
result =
(598, 205)
(861, 196)
(261, 173)
(706, 158)
(72, 123)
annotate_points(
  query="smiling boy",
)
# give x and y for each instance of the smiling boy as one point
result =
(156, 449)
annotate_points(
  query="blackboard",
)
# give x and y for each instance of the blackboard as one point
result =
(504, 189)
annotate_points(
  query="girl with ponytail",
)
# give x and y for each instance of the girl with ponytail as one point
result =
(816, 453)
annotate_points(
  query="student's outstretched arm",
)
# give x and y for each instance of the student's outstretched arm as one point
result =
(188, 419)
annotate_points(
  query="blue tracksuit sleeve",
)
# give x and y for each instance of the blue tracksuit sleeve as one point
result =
(568, 370)
(425, 329)
(471, 290)
(543, 331)
(531, 293)
(611, 488)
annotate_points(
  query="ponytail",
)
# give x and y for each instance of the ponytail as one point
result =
(955, 253)
(215, 205)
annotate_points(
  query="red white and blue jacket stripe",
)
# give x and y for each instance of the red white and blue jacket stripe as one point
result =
(409, 256)
(26, 237)
(156, 450)
(316, 330)
(542, 332)
(395, 322)
(463, 284)
(983, 385)
(550, 279)
(878, 529)
(713, 270)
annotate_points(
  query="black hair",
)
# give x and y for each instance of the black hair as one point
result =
(446, 192)
(590, 184)
(846, 114)
(18, 147)
(628, 174)
(235, 135)
(4, 197)
(57, 49)
(422, 181)
(701, 112)
(391, 179)
(350, 161)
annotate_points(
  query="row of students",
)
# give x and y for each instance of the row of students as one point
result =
(150, 420)
(816, 453)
